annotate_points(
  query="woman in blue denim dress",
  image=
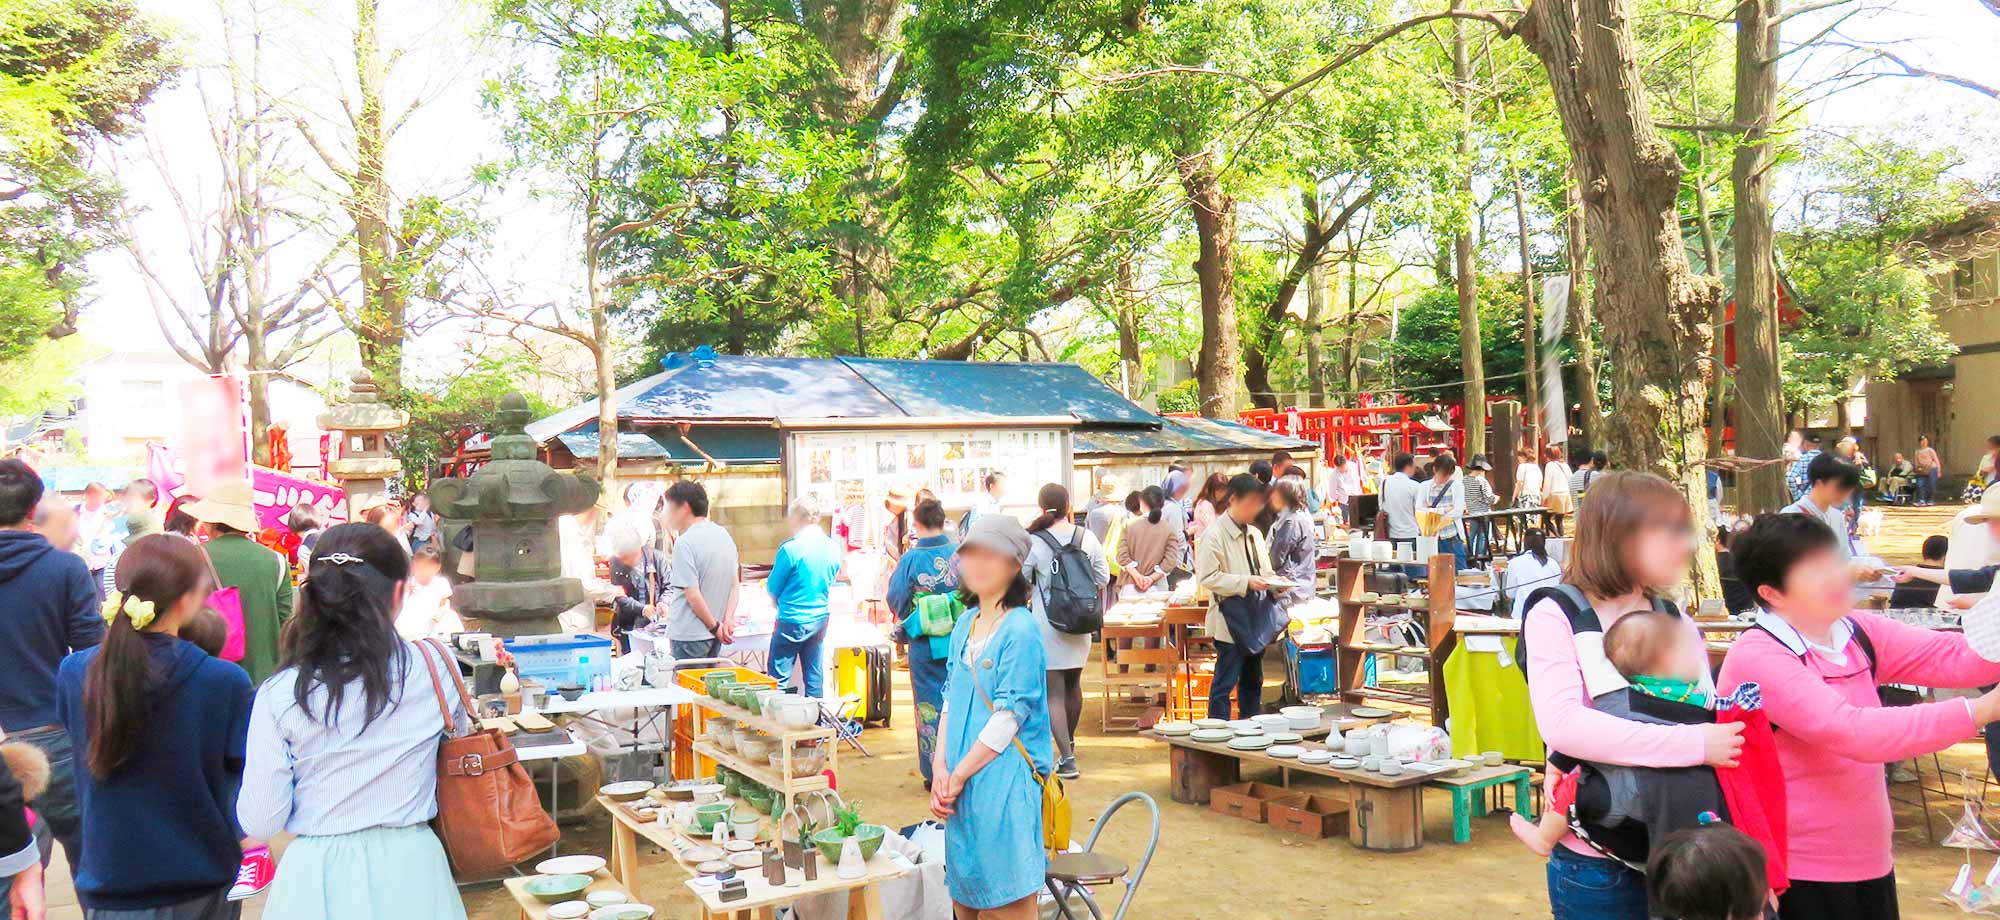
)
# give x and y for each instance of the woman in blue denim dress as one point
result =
(994, 745)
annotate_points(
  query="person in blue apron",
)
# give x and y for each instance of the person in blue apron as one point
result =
(994, 746)
(927, 573)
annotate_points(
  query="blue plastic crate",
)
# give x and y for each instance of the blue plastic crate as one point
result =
(1316, 669)
(560, 659)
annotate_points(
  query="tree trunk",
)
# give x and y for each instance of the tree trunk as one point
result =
(1531, 388)
(1760, 421)
(1215, 268)
(1655, 310)
(1316, 335)
(1129, 355)
(1579, 320)
(383, 305)
(1470, 347)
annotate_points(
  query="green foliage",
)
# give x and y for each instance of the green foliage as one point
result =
(1184, 396)
(1864, 292)
(1426, 346)
(444, 413)
(847, 818)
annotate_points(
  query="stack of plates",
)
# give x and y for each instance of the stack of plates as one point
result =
(1285, 737)
(1301, 718)
(1452, 767)
(1250, 742)
(1210, 735)
(1271, 721)
(1314, 757)
(1173, 728)
(1245, 726)
(1285, 750)
(1344, 762)
(1211, 723)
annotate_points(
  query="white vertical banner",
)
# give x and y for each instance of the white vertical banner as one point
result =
(1555, 315)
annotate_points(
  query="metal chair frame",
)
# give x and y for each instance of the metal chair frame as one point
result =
(1136, 874)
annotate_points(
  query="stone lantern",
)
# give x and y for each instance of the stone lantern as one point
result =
(512, 505)
(364, 466)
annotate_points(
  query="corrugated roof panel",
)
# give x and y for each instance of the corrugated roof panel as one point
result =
(1241, 435)
(1185, 436)
(755, 388)
(727, 443)
(999, 390)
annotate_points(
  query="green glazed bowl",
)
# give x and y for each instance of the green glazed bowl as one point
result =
(732, 783)
(760, 799)
(829, 841)
(554, 889)
(707, 816)
(713, 681)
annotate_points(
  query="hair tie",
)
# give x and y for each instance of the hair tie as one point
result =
(140, 611)
(340, 559)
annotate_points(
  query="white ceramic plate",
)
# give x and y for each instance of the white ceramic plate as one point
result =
(568, 910)
(1253, 743)
(605, 898)
(1285, 750)
(1343, 762)
(1211, 723)
(1314, 757)
(1368, 712)
(622, 912)
(1211, 735)
(1269, 720)
(1173, 728)
(1285, 737)
(580, 864)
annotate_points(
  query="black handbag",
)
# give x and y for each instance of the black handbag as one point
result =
(1253, 617)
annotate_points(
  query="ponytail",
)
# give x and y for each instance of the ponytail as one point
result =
(1155, 499)
(1054, 502)
(153, 576)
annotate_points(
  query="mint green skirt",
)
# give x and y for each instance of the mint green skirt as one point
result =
(398, 872)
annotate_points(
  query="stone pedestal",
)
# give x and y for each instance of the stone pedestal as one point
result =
(513, 504)
(363, 423)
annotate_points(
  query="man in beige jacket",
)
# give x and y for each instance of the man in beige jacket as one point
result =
(1230, 561)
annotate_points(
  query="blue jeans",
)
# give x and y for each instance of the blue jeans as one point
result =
(1926, 487)
(1453, 545)
(57, 806)
(802, 641)
(1240, 673)
(1478, 535)
(1592, 888)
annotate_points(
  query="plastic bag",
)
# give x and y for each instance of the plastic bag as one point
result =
(1968, 832)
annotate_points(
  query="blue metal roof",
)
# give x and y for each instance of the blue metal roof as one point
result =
(999, 390)
(1185, 436)
(738, 388)
(728, 443)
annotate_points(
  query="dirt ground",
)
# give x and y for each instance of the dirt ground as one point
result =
(1212, 866)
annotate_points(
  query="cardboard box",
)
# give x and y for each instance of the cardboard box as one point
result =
(1245, 800)
(1308, 814)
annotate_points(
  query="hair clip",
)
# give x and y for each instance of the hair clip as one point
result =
(339, 558)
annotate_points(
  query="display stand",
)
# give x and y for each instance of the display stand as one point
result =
(783, 779)
(1138, 663)
(1439, 610)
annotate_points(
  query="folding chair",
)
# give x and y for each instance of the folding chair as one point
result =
(834, 714)
(1073, 873)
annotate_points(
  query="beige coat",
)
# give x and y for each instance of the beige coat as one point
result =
(1222, 565)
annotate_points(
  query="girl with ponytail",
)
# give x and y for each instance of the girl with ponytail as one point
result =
(161, 727)
(1066, 653)
(344, 743)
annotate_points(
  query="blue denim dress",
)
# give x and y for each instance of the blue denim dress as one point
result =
(993, 841)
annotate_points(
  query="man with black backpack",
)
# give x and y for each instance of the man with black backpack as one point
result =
(1067, 566)
(1232, 562)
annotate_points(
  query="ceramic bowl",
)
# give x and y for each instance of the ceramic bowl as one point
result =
(738, 845)
(1315, 757)
(1343, 762)
(713, 681)
(1211, 735)
(1392, 768)
(761, 697)
(706, 816)
(793, 711)
(626, 792)
(746, 829)
(1285, 751)
(702, 853)
(829, 841)
(1494, 759)
(713, 867)
(1271, 721)
(756, 749)
(605, 898)
(1371, 763)
(555, 889)
(568, 910)
(708, 792)
(580, 864)
(760, 798)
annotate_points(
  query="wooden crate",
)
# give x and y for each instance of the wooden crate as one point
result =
(1308, 814)
(1245, 800)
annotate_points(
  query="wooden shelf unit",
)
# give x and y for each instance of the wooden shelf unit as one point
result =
(1353, 648)
(780, 779)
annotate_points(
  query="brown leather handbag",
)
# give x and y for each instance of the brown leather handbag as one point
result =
(489, 815)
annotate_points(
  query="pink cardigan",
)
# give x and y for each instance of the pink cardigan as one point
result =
(1834, 735)
(1569, 724)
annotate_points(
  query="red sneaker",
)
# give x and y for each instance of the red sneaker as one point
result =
(254, 874)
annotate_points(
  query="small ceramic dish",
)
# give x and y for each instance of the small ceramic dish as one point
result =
(625, 792)
(1173, 728)
(1343, 762)
(568, 910)
(1285, 737)
(555, 889)
(622, 912)
(1250, 743)
(605, 898)
(580, 864)
(1237, 725)
(1367, 712)
(1248, 731)
(1285, 751)
(1318, 758)
(739, 845)
(713, 867)
(1270, 720)
(1211, 735)
(1211, 723)
(701, 854)
(746, 860)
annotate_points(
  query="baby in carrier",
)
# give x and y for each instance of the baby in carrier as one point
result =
(1623, 811)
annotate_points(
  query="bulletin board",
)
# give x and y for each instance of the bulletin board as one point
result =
(850, 473)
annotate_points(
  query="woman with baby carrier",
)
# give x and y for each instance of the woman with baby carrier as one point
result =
(1820, 663)
(1633, 540)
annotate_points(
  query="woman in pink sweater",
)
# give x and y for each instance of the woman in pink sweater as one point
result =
(1634, 538)
(1819, 664)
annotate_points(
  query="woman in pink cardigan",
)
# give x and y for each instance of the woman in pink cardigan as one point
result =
(1819, 664)
(1634, 538)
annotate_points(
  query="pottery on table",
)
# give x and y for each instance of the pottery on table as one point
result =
(555, 889)
(571, 692)
(707, 816)
(807, 757)
(568, 910)
(792, 711)
(760, 798)
(745, 828)
(1371, 763)
(756, 748)
(605, 898)
(622, 912)
(713, 681)
(1285, 737)
(1173, 728)
(870, 836)
(1211, 723)
(1211, 735)
(702, 853)
(1494, 759)
(1392, 768)
(580, 864)
(708, 792)
(627, 791)
(713, 867)
(1315, 758)
(1271, 721)
(1285, 751)
(1301, 718)
(746, 860)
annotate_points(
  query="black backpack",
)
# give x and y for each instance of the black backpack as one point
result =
(1070, 598)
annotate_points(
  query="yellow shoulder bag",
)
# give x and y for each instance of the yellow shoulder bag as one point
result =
(1055, 801)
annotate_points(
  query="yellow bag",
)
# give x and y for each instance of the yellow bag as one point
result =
(1055, 800)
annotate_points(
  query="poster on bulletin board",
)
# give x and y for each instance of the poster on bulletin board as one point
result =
(850, 474)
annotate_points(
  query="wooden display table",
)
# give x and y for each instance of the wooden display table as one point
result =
(534, 909)
(1385, 812)
(864, 902)
(788, 782)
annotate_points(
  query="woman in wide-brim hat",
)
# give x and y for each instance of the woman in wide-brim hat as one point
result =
(260, 575)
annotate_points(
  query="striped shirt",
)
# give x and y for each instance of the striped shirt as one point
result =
(1479, 496)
